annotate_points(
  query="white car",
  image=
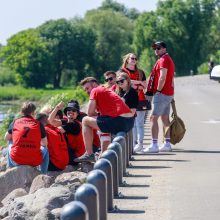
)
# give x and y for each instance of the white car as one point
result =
(215, 74)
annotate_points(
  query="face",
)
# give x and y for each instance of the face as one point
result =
(122, 82)
(110, 79)
(71, 113)
(132, 59)
(159, 50)
(88, 87)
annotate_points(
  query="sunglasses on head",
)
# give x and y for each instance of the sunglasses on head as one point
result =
(133, 58)
(120, 81)
(157, 48)
(109, 79)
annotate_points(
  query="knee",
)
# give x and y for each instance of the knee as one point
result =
(85, 120)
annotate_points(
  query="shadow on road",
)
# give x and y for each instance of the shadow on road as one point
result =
(149, 167)
(132, 197)
(166, 160)
(121, 211)
(135, 185)
(196, 151)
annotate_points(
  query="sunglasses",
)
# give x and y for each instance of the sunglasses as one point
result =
(133, 58)
(157, 48)
(120, 81)
(109, 79)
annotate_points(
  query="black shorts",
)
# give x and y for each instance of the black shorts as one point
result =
(114, 125)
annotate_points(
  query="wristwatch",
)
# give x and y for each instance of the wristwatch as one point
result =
(159, 91)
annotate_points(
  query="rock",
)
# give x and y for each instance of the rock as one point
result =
(41, 181)
(68, 169)
(44, 214)
(56, 213)
(86, 167)
(17, 177)
(3, 164)
(28, 206)
(12, 195)
(71, 180)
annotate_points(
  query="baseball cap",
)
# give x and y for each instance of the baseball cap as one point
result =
(159, 44)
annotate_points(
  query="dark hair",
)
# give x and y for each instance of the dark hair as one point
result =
(109, 72)
(28, 108)
(88, 79)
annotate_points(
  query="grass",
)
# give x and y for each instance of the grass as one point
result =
(16, 95)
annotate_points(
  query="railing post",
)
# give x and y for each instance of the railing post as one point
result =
(113, 158)
(99, 179)
(117, 148)
(121, 141)
(104, 165)
(88, 194)
(74, 210)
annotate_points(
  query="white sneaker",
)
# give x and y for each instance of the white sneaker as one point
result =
(165, 148)
(153, 148)
(137, 148)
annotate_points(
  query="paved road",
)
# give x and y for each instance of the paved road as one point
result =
(184, 184)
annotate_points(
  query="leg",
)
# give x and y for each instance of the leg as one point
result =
(10, 162)
(88, 124)
(166, 122)
(134, 131)
(154, 126)
(140, 126)
(44, 165)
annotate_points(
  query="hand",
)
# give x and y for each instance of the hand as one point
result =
(60, 105)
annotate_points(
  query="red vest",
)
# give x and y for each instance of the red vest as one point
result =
(26, 137)
(136, 76)
(76, 142)
(57, 147)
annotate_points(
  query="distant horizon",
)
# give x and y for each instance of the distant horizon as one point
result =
(25, 14)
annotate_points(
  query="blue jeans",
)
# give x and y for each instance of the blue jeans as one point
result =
(42, 168)
(138, 129)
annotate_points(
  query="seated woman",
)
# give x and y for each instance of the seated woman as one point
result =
(125, 90)
(57, 146)
(28, 140)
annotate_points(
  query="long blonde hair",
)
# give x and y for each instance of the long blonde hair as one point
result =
(125, 60)
(120, 73)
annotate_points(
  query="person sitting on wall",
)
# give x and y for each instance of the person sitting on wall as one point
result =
(28, 140)
(57, 146)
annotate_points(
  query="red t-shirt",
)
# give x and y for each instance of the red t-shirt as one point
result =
(165, 62)
(76, 142)
(108, 102)
(57, 147)
(26, 138)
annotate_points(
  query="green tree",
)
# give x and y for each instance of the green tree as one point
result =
(183, 25)
(114, 37)
(131, 13)
(71, 45)
(26, 54)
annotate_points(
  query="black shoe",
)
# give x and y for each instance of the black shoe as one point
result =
(85, 158)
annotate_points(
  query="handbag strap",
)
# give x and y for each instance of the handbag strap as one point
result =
(174, 108)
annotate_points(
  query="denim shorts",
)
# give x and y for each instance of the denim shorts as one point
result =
(114, 125)
(161, 104)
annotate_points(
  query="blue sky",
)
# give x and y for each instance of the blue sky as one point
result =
(17, 15)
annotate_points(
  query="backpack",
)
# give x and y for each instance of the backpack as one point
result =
(177, 127)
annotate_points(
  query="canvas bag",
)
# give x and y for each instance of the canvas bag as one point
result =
(177, 127)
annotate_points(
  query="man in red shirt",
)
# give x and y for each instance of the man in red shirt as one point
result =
(106, 112)
(161, 86)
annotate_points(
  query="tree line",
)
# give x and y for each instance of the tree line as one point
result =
(62, 52)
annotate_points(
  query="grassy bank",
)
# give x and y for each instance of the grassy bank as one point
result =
(41, 97)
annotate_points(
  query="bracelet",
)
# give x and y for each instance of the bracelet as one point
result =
(158, 91)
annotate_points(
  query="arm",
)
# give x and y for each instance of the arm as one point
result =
(8, 137)
(92, 108)
(52, 117)
(162, 79)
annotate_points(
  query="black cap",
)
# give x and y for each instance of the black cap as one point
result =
(159, 44)
(72, 106)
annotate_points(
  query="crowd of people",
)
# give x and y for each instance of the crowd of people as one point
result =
(64, 135)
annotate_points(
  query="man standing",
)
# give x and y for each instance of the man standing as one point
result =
(161, 86)
(106, 112)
